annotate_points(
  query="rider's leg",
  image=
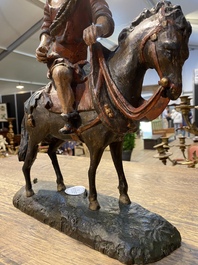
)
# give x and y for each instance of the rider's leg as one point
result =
(62, 77)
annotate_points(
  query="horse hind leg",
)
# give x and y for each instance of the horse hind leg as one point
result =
(54, 144)
(29, 160)
(116, 154)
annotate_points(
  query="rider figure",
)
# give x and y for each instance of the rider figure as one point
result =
(69, 26)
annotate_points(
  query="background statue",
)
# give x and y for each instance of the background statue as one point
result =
(3, 143)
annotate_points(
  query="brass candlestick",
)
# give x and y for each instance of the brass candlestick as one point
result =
(10, 134)
(184, 107)
(165, 142)
(182, 145)
(162, 155)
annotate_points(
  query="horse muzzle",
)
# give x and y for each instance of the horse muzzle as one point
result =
(170, 89)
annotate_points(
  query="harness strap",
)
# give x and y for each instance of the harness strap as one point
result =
(87, 126)
(154, 54)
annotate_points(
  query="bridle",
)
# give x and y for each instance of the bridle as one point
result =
(152, 35)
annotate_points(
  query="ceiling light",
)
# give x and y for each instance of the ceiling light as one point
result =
(19, 86)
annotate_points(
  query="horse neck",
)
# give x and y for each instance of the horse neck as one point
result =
(127, 73)
(126, 66)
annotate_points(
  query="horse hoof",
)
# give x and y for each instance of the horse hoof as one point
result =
(29, 193)
(94, 206)
(125, 199)
(61, 187)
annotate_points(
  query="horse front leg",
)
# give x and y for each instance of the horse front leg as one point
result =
(55, 143)
(29, 160)
(116, 154)
(95, 157)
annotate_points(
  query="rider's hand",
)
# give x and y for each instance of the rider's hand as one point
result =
(41, 54)
(43, 48)
(91, 33)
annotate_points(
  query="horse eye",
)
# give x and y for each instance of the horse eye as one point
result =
(122, 36)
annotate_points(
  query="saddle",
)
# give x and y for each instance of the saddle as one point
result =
(48, 97)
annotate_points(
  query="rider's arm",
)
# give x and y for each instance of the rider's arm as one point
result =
(103, 24)
(45, 39)
(102, 15)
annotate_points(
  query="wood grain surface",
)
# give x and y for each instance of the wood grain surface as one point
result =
(169, 191)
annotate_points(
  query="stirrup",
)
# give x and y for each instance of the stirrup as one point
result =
(67, 129)
(71, 115)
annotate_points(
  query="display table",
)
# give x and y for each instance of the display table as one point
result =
(152, 141)
(166, 190)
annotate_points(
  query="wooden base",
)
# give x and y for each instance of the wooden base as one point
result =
(130, 234)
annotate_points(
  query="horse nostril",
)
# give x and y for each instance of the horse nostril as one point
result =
(174, 92)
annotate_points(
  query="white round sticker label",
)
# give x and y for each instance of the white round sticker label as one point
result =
(76, 190)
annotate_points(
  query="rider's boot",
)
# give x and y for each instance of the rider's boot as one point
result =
(69, 118)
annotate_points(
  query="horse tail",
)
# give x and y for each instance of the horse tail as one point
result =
(24, 142)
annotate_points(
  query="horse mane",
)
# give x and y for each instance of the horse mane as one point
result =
(148, 13)
(169, 10)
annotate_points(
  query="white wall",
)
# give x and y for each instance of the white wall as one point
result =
(188, 72)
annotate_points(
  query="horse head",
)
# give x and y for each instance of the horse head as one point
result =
(165, 47)
(156, 39)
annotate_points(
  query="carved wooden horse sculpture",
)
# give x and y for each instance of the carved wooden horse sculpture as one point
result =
(157, 39)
